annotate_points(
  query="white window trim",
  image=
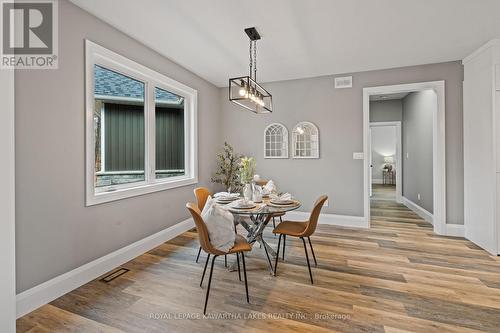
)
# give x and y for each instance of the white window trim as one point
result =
(294, 140)
(96, 54)
(284, 137)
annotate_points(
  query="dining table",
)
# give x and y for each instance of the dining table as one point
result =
(255, 220)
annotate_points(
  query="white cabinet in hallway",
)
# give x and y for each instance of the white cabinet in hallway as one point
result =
(482, 147)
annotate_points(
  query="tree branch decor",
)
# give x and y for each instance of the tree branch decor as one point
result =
(228, 169)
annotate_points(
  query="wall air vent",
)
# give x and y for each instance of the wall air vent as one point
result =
(343, 82)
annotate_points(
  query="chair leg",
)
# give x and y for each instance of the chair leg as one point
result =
(284, 240)
(198, 256)
(268, 258)
(277, 255)
(245, 274)
(307, 258)
(205, 269)
(225, 260)
(281, 220)
(209, 283)
(238, 260)
(274, 226)
(312, 250)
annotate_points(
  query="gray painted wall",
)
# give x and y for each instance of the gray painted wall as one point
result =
(418, 110)
(339, 115)
(55, 232)
(391, 110)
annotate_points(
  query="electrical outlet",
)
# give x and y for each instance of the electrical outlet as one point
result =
(326, 203)
(358, 156)
(418, 196)
(407, 155)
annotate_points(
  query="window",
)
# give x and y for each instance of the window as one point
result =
(140, 130)
(305, 140)
(276, 141)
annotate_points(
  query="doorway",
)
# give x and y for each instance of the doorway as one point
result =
(438, 184)
(385, 161)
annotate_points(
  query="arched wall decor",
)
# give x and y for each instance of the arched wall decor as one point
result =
(276, 141)
(305, 140)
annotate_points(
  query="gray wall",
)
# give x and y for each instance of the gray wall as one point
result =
(391, 110)
(418, 110)
(55, 232)
(339, 115)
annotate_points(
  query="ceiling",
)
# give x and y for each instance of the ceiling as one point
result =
(388, 97)
(303, 38)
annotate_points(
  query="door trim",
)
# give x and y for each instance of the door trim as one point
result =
(7, 205)
(438, 145)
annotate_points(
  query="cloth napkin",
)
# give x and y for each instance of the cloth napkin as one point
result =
(226, 195)
(283, 197)
(269, 188)
(220, 225)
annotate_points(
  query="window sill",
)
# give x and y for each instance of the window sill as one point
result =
(130, 192)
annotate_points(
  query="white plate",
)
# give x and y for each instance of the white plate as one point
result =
(282, 202)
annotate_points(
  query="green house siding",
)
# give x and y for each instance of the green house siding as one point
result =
(169, 138)
(124, 138)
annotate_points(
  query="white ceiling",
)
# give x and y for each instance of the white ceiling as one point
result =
(388, 97)
(303, 38)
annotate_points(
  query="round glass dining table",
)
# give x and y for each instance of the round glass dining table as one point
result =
(258, 218)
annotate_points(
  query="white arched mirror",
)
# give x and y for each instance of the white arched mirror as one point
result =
(305, 140)
(276, 141)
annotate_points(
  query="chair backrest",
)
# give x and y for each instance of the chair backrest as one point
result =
(201, 194)
(261, 182)
(202, 230)
(314, 217)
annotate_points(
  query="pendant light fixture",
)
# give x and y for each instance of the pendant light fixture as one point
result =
(244, 90)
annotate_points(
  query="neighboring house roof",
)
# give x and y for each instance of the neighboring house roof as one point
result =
(114, 85)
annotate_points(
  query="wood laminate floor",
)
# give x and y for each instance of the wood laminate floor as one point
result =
(383, 192)
(395, 277)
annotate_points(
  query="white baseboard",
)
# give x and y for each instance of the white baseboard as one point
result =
(333, 219)
(456, 230)
(48, 291)
(427, 216)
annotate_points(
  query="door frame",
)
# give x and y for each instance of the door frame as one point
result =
(399, 147)
(438, 146)
(7, 205)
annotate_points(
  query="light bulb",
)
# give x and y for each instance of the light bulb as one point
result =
(242, 91)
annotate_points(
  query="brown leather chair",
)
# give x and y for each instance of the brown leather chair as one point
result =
(201, 194)
(240, 246)
(300, 230)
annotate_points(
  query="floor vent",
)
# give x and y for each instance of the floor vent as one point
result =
(113, 275)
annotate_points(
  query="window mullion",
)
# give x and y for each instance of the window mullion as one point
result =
(150, 133)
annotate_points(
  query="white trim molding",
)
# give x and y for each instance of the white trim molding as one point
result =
(423, 213)
(98, 55)
(331, 219)
(48, 291)
(7, 204)
(455, 230)
(438, 145)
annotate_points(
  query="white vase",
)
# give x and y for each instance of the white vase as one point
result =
(248, 192)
